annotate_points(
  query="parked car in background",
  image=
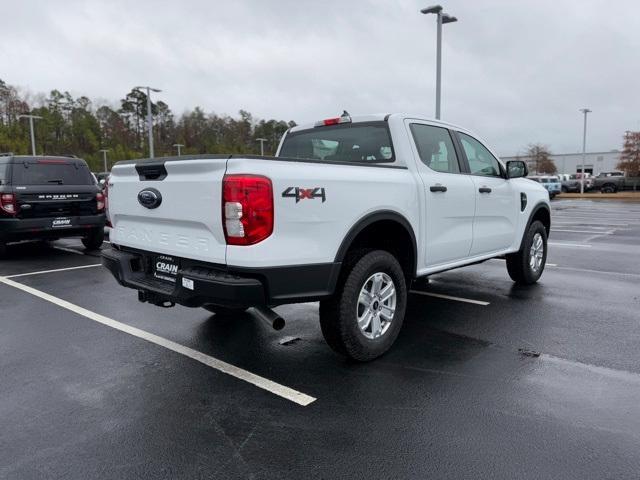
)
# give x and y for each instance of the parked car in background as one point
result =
(101, 178)
(588, 180)
(612, 182)
(569, 185)
(46, 198)
(551, 183)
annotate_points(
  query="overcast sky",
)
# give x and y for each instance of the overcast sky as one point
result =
(515, 72)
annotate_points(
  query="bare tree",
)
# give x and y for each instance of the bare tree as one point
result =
(539, 157)
(630, 156)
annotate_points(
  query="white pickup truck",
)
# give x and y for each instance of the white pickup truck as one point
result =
(349, 212)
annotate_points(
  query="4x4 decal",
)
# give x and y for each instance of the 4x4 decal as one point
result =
(302, 193)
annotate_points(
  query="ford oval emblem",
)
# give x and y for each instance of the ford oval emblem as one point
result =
(150, 198)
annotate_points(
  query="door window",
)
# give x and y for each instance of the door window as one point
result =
(481, 162)
(435, 148)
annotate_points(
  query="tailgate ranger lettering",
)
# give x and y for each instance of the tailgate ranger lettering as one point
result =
(151, 237)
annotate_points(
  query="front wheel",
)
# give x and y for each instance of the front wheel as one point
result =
(526, 265)
(364, 317)
(94, 240)
(609, 188)
(3, 248)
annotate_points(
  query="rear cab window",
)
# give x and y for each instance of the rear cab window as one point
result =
(51, 172)
(363, 142)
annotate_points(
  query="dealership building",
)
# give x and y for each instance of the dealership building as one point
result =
(594, 163)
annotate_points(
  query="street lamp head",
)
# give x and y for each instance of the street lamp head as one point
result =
(448, 18)
(144, 88)
(432, 9)
(585, 110)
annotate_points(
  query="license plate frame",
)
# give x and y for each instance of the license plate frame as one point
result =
(61, 222)
(165, 268)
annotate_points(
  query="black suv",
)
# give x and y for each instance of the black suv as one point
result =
(46, 198)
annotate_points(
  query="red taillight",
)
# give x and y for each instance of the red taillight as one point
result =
(52, 162)
(8, 203)
(99, 202)
(331, 121)
(344, 118)
(247, 209)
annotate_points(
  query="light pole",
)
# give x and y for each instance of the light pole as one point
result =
(178, 146)
(442, 18)
(33, 138)
(104, 158)
(584, 147)
(261, 140)
(149, 116)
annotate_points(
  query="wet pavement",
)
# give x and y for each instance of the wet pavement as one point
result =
(493, 381)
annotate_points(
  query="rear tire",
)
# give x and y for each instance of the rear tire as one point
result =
(526, 265)
(3, 249)
(565, 190)
(94, 240)
(363, 318)
(224, 311)
(609, 188)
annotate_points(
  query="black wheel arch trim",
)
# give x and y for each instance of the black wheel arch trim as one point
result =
(539, 206)
(370, 219)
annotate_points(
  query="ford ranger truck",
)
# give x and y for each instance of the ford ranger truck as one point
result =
(46, 198)
(349, 212)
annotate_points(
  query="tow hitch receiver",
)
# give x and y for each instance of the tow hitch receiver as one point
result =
(157, 300)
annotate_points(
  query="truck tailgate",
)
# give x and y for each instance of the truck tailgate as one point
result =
(186, 222)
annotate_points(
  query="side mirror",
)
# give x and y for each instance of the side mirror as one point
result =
(517, 169)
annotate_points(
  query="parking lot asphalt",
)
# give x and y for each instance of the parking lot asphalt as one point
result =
(486, 380)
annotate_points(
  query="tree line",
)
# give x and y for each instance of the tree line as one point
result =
(80, 127)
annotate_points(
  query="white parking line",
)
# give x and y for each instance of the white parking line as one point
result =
(604, 272)
(449, 297)
(571, 245)
(52, 271)
(260, 382)
(599, 232)
(588, 224)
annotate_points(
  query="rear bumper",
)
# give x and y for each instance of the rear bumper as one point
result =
(16, 229)
(221, 285)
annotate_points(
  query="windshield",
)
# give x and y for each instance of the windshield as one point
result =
(359, 142)
(51, 172)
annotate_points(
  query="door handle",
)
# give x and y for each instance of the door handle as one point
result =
(438, 188)
(484, 190)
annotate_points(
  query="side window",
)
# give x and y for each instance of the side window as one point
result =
(481, 162)
(435, 148)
